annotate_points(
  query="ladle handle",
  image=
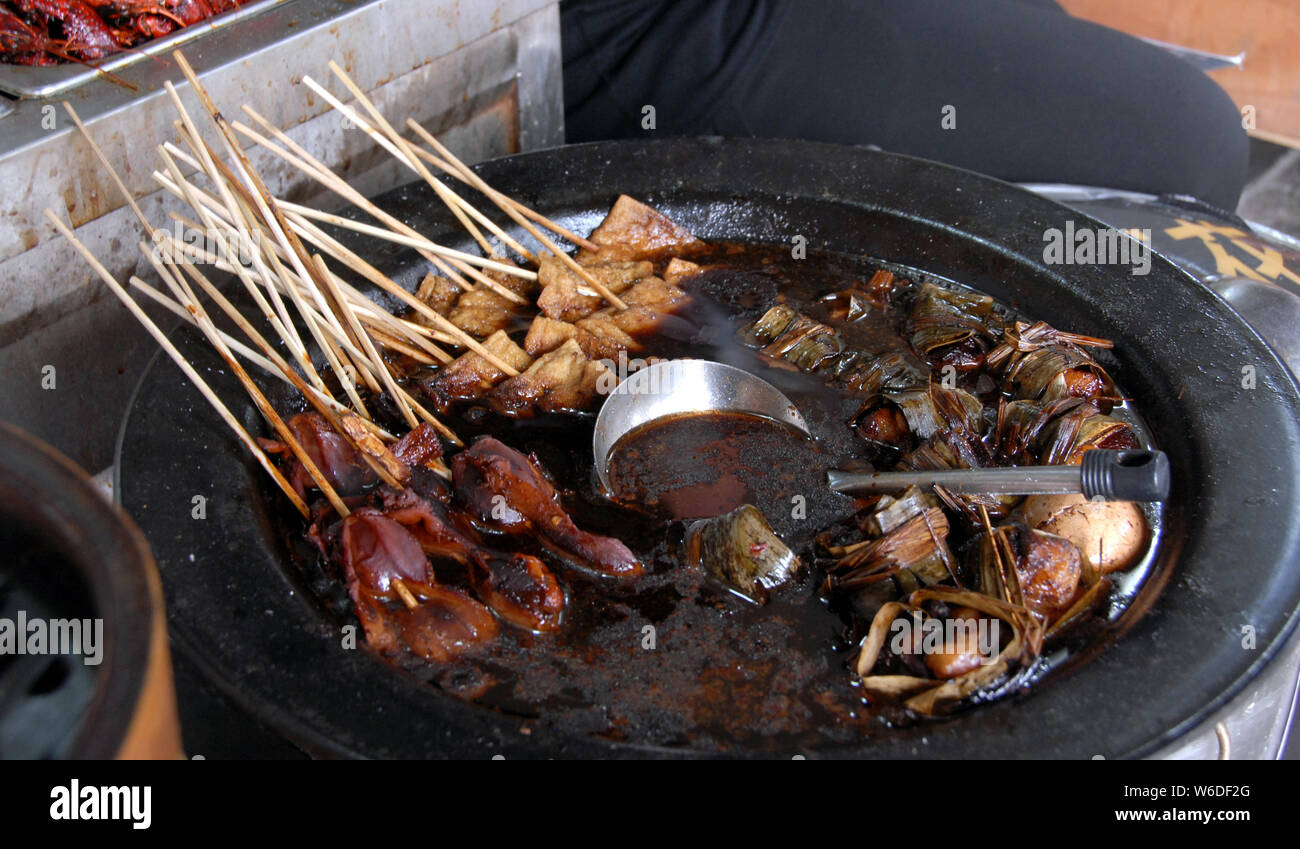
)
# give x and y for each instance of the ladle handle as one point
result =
(1134, 475)
(1129, 475)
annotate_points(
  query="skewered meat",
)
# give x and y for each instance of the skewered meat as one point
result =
(509, 491)
(420, 447)
(679, 269)
(340, 463)
(481, 312)
(440, 293)
(604, 333)
(601, 338)
(547, 334)
(377, 550)
(379, 556)
(518, 587)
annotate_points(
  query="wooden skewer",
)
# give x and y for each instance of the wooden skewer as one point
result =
(271, 216)
(394, 344)
(366, 309)
(408, 241)
(229, 309)
(399, 394)
(179, 359)
(429, 157)
(279, 316)
(418, 242)
(372, 315)
(274, 221)
(504, 203)
(523, 209)
(404, 592)
(108, 166)
(369, 272)
(186, 296)
(198, 317)
(341, 303)
(275, 271)
(144, 222)
(312, 167)
(459, 207)
(299, 157)
(451, 198)
(172, 306)
(415, 303)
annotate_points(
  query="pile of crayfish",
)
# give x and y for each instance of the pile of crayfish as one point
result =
(49, 32)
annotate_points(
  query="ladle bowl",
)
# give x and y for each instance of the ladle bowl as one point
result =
(676, 387)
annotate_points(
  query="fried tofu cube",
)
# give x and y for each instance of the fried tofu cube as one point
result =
(605, 338)
(469, 376)
(481, 312)
(563, 380)
(679, 269)
(633, 230)
(567, 297)
(440, 293)
(547, 334)
(655, 293)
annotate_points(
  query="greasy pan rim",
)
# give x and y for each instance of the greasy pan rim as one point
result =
(1171, 660)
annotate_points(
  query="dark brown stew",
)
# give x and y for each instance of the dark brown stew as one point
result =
(673, 658)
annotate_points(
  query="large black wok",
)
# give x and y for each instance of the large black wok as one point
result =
(1228, 561)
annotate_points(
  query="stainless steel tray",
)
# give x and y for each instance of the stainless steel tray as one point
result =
(51, 80)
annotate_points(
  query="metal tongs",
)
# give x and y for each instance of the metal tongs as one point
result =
(1130, 475)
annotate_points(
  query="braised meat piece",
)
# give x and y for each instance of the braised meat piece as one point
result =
(470, 376)
(340, 463)
(518, 587)
(481, 312)
(395, 597)
(567, 297)
(509, 491)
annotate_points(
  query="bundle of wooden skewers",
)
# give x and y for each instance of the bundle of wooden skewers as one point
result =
(286, 262)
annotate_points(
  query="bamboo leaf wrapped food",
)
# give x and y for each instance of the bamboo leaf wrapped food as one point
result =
(1040, 363)
(951, 328)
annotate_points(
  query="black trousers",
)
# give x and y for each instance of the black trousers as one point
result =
(1013, 88)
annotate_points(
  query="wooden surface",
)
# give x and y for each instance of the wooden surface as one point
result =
(1268, 31)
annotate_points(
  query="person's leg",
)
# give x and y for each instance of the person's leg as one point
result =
(1035, 94)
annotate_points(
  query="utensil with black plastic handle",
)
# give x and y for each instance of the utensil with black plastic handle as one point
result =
(1129, 475)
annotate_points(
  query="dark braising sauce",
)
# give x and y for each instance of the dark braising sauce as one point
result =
(697, 465)
(674, 659)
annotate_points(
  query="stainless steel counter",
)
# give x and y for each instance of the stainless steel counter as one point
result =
(485, 76)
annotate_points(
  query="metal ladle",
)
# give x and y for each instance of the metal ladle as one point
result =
(674, 387)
